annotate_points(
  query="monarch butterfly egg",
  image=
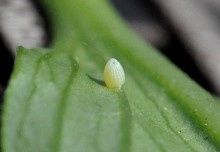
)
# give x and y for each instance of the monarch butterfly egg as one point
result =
(114, 75)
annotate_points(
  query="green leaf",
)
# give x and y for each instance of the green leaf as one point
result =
(56, 99)
(53, 106)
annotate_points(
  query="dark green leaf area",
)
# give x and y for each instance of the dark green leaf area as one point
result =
(53, 106)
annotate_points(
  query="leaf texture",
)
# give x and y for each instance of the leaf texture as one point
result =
(56, 100)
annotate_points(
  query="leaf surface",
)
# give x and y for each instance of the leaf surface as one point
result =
(56, 100)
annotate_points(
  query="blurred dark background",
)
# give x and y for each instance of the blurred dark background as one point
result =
(187, 32)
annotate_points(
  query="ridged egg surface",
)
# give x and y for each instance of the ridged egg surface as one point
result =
(114, 75)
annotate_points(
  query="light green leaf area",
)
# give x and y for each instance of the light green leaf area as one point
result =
(57, 101)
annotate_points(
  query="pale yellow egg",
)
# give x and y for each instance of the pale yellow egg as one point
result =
(114, 75)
